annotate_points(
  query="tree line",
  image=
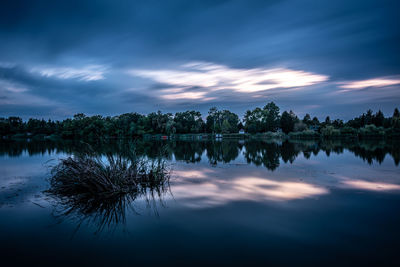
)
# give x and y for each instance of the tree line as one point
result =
(259, 120)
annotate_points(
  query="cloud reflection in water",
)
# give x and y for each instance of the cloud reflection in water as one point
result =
(205, 188)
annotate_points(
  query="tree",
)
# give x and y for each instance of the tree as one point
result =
(216, 118)
(158, 121)
(337, 123)
(396, 113)
(226, 127)
(4, 127)
(327, 120)
(232, 119)
(170, 127)
(378, 119)
(288, 119)
(79, 116)
(271, 117)
(188, 122)
(307, 119)
(212, 120)
(368, 117)
(134, 124)
(395, 122)
(253, 120)
(315, 121)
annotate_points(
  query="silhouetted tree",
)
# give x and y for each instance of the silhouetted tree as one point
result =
(288, 120)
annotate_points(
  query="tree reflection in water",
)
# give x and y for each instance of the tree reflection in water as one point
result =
(258, 152)
(111, 211)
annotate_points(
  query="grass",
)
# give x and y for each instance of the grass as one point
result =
(100, 189)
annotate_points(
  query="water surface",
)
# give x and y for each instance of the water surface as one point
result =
(229, 202)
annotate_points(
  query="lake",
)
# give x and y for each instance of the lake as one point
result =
(229, 202)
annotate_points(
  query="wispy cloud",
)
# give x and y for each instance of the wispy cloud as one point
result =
(212, 77)
(87, 73)
(376, 82)
(19, 96)
(179, 93)
(12, 88)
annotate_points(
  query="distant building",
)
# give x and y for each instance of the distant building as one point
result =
(241, 131)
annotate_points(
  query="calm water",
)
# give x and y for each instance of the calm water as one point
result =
(229, 203)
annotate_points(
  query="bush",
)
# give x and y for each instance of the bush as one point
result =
(272, 135)
(308, 134)
(100, 191)
(330, 132)
(372, 131)
(348, 131)
(96, 178)
(300, 126)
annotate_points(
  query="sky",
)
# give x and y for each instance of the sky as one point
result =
(337, 58)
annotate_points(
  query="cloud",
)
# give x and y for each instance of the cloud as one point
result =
(87, 73)
(11, 88)
(376, 82)
(289, 41)
(209, 77)
(178, 94)
(15, 95)
(25, 92)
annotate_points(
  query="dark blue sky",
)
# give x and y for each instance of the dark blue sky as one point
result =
(337, 58)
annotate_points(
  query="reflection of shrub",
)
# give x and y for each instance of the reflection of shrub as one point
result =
(329, 132)
(308, 134)
(95, 189)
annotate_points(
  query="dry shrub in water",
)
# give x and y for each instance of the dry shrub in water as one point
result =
(98, 178)
(100, 189)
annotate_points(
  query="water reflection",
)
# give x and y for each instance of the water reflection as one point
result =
(212, 188)
(216, 175)
(260, 153)
(104, 214)
(374, 186)
(227, 198)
